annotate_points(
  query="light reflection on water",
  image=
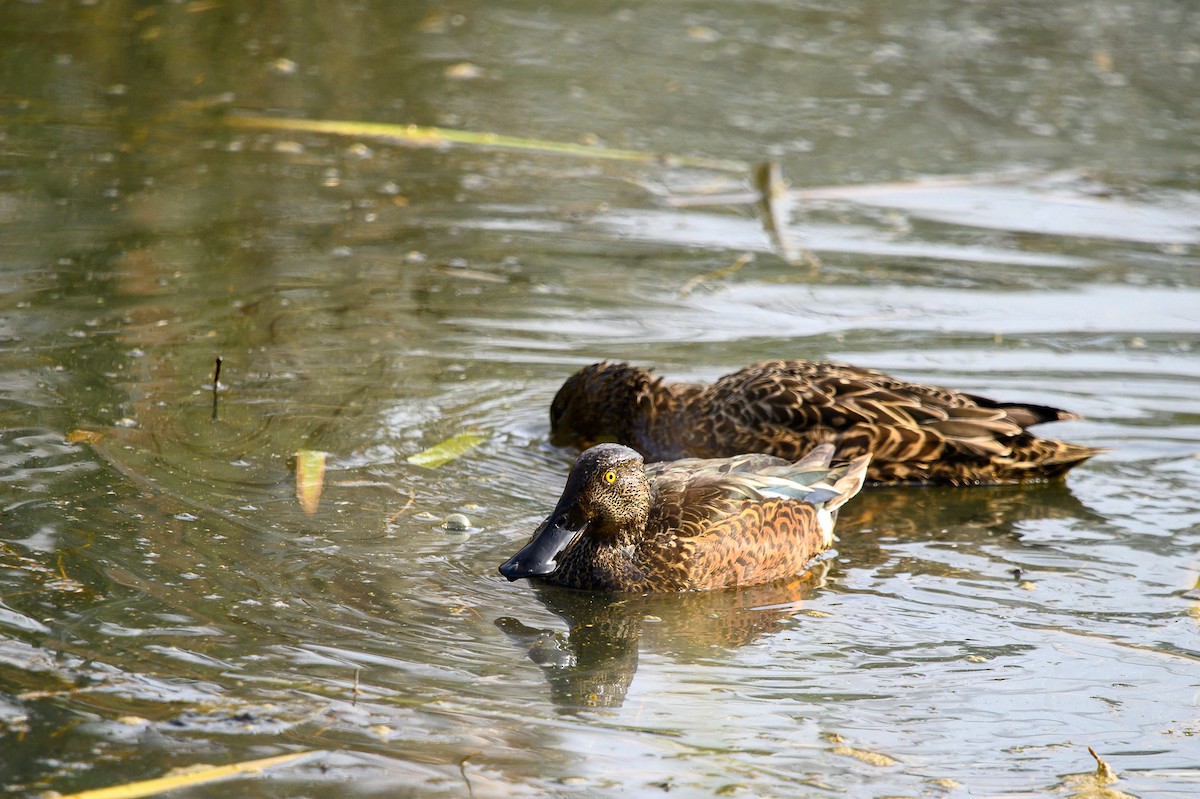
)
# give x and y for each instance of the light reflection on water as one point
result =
(165, 601)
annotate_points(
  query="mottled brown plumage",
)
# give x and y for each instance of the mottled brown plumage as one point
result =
(689, 524)
(914, 433)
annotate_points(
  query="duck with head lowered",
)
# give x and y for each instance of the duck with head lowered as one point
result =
(915, 433)
(687, 525)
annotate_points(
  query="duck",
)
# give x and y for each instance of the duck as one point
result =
(687, 525)
(916, 434)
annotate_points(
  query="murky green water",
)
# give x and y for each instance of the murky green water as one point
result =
(1004, 198)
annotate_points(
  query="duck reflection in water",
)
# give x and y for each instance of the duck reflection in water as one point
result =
(973, 520)
(592, 663)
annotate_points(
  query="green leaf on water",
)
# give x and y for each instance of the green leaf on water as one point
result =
(421, 135)
(446, 451)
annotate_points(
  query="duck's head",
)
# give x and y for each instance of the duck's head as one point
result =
(597, 403)
(607, 498)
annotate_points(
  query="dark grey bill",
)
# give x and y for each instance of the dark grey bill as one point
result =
(537, 558)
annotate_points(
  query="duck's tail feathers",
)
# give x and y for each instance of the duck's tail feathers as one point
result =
(850, 482)
(819, 457)
(842, 482)
(1027, 414)
(838, 484)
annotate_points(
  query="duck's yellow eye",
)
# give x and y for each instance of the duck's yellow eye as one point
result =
(610, 476)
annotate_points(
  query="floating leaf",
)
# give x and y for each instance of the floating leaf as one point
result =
(185, 779)
(874, 758)
(448, 450)
(310, 478)
(463, 71)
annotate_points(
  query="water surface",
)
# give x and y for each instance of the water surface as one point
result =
(1002, 199)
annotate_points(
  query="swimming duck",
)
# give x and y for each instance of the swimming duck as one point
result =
(915, 433)
(687, 525)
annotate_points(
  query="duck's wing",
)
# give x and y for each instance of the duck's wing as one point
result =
(738, 527)
(691, 496)
(786, 406)
(815, 463)
(804, 394)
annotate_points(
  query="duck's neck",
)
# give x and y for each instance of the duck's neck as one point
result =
(658, 426)
(598, 565)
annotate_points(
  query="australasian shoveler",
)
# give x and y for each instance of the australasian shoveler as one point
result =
(914, 433)
(687, 525)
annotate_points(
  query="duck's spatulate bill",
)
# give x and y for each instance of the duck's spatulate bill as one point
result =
(539, 556)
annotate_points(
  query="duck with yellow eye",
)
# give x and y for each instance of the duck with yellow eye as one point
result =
(687, 525)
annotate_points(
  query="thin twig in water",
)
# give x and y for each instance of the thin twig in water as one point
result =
(1104, 773)
(354, 696)
(216, 384)
(775, 203)
(462, 767)
(718, 274)
(411, 498)
(30, 695)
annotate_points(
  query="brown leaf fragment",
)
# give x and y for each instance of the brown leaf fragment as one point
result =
(82, 437)
(310, 478)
